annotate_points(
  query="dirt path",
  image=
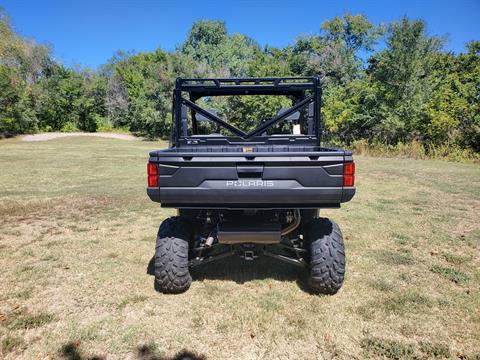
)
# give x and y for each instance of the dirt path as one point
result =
(56, 135)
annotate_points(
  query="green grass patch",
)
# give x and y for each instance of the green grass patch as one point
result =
(382, 285)
(24, 294)
(390, 349)
(414, 150)
(81, 241)
(395, 258)
(401, 239)
(132, 300)
(270, 301)
(10, 343)
(454, 275)
(400, 303)
(400, 350)
(455, 258)
(435, 350)
(24, 321)
(408, 301)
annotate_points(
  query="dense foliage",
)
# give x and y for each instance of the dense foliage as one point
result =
(410, 90)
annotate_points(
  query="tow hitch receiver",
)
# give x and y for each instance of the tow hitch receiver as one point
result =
(249, 255)
(248, 252)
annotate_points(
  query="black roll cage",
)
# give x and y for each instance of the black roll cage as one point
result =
(289, 86)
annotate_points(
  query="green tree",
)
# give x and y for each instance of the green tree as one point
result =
(335, 52)
(402, 76)
(16, 114)
(20, 63)
(215, 52)
(410, 90)
(205, 40)
(454, 108)
(61, 91)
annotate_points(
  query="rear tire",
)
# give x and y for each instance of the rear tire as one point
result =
(171, 256)
(327, 256)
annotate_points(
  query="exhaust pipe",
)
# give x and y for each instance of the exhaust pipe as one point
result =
(233, 234)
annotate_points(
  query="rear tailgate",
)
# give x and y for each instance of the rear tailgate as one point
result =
(245, 180)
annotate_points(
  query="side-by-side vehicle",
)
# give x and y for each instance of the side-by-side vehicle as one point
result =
(249, 192)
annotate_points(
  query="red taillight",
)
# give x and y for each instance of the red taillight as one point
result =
(349, 174)
(152, 171)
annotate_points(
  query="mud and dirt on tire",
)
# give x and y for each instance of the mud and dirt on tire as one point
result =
(172, 275)
(327, 256)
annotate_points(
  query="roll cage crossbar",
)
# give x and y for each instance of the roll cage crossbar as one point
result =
(213, 117)
(287, 86)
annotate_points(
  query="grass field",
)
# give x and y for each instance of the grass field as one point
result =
(77, 233)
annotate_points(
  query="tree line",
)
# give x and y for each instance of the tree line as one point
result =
(389, 84)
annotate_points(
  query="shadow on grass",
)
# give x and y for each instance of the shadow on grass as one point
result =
(146, 353)
(71, 351)
(236, 269)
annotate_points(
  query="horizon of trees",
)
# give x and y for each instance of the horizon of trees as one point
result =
(410, 90)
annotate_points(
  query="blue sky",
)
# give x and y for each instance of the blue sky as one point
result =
(88, 32)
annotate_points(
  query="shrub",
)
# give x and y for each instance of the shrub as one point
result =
(69, 127)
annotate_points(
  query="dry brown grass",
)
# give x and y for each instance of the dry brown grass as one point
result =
(77, 234)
